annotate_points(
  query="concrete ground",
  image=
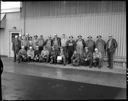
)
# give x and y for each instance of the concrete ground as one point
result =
(44, 81)
(108, 77)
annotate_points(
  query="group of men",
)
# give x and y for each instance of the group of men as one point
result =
(64, 50)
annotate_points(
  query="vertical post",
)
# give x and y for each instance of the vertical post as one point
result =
(24, 17)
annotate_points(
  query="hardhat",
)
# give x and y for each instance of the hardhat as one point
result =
(22, 47)
(16, 36)
(96, 49)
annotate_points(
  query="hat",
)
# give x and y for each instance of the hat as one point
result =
(16, 36)
(109, 34)
(55, 34)
(19, 34)
(30, 47)
(22, 47)
(89, 36)
(99, 36)
(96, 49)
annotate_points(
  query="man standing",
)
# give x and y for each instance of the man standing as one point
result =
(41, 43)
(111, 48)
(90, 44)
(100, 45)
(80, 44)
(70, 48)
(16, 47)
(63, 45)
(48, 43)
(25, 42)
(35, 42)
(56, 43)
(87, 58)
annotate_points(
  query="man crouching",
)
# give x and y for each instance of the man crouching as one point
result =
(30, 54)
(97, 57)
(44, 56)
(61, 57)
(36, 54)
(75, 59)
(22, 55)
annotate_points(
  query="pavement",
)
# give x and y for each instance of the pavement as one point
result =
(108, 77)
(44, 81)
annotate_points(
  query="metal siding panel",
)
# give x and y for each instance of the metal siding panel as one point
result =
(86, 21)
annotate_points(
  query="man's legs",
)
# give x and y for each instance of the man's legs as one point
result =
(14, 56)
(109, 59)
(90, 62)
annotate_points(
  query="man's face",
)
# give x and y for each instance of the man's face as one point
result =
(55, 36)
(63, 35)
(52, 48)
(37, 48)
(90, 38)
(99, 37)
(70, 38)
(49, 37)
(110, 37)
(80, 37)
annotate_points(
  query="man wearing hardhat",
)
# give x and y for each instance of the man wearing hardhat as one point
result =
(16, 47)
(111, 48)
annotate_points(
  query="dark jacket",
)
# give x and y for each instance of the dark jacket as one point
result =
(113, 45)
(101, 45)
(45, 43)
(82, 42)
(90, 44)
(16, 45)
(58, 40)
(71, 45)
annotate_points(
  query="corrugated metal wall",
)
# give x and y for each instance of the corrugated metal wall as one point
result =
(73, 18)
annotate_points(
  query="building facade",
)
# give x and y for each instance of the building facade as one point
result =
(71, 18)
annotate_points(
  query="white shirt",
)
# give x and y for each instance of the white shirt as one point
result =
(63, 42)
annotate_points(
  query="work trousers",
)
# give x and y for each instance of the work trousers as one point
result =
(110, 58)
(70, 53)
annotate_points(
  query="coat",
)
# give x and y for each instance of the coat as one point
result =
(113, 45)
(22, 52)
(80, 47)
(70, 45)
(90, 44)
(58, 42)
(40, 42)
(48, 45)
(16, 45)
(101, 46)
